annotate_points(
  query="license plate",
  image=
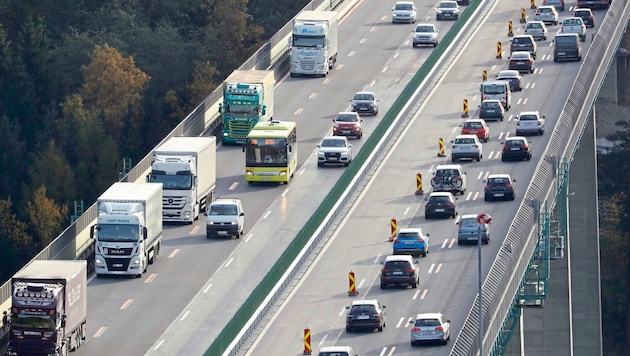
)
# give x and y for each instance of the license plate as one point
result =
(561, 53)
(515, 148)
(345, 131)
(498, 195)
(520, 62)
(473, 131)
(117, 265)
(222, 232)
(491, 110)
(333, 158)
(447, 14)
(408, 242)
(472, 238)
(363, 109)
(363, 317)
(266, 178)
(397, 273)
(439, 210)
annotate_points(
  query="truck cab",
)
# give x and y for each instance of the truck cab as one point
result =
(225, 217)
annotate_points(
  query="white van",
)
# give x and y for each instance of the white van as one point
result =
(498, 90)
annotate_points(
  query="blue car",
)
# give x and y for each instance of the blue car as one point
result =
(411, 241)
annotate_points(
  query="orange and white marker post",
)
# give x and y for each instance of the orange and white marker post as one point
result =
(419, 190)
(307, 342)
(352, 287)
(394, 229)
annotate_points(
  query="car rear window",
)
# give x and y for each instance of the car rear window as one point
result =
(397, 265)
(408, 235)
(522, 40)
(362, 309)
(347, 118)
(493, 89)
(573, 21)
(528, 117)
(497, 181)
(447, 173)
(565, 40)
(469, 222)
(534, 25)
(427, 322)
(520, 56)
(473, 125)
(514, 143)
(439, 199)
(492, 104)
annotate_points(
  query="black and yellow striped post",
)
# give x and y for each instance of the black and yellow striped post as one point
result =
(510, 29)
(419, 190)
(523, 15)
(352, 288)
(441, 147)
(484, 75)
(394, 230)
(499, 50)
(307, 342)
(465, 112)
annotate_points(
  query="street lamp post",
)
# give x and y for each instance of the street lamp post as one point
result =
(482, 219)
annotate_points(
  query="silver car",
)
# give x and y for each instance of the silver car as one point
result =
(429, 327)
(547, 14)
(530, 122)
(404, 11)
(537, 29)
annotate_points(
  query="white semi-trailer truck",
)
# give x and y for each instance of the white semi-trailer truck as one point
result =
(314, 43)
(128, 232)
(48, 308)
(186, 166)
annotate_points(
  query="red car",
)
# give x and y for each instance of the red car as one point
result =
(348, 124)
(477, 127)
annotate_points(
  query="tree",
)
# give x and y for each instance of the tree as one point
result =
(113, 88)
(12, 152)
(50, 169)
(46, 218)
(14, 230)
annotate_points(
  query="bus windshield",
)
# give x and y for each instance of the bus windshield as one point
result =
(269, 152)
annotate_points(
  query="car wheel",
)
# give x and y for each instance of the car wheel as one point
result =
(380, 328)
(453, 215)
(424, 254)
(479, 157)
(453, 159)
(502, 158)
(460, 242)
(529, 156)
(346, 164)
(320, 164)
(348, 329)
(486, 199)
(383, 285)
(414, 284)
(435, 44)
(427, 216)
(414, 45)
(513, 196)
(209, 236)
(531, 71)
(413, 343)
(555, 59)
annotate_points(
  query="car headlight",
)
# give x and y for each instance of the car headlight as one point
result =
(394, 15)
(210, 223)
(136, 261)
(439, 11)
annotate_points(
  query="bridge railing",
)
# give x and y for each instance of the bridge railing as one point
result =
(505, 275)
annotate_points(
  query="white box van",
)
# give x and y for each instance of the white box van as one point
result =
(498, 90)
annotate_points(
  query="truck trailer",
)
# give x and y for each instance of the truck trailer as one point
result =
(128, 232)
(247, 99)
(186, 166)
(314, 43)
(48, 308)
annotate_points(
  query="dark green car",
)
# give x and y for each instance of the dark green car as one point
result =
(491, 110)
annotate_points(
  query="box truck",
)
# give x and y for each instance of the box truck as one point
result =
(48, 308)
(186, 166)
(128, 231)
(314, 43)
(247, 99)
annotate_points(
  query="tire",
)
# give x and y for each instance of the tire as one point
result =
(414, 285)
(479, 158)
(209, 236)
(427, 216)
(555, 59)
(459, 242)
(424, 254)
(414, 45)
(529, 156)
(413, 344)
(348, 329)
(380, 328)
(513, 196)
(383, 285)
(346, 164)
(486, 199)
(319, 164)
(453, 159)
(502, 158)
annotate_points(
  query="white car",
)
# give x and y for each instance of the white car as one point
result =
(547, 14)
(537, 29)
(334, 149)
(425, 33)
(466, 146)
(574, 25)
(530, 122)
(404, 11)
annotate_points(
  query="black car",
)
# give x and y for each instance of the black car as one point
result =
(586, 15)
(441, 204)
(522, 61)
(524, 43)
(514, 77)
(499, 187)
(516, 148)
(365, 102)
(366, 314)
(399, 270)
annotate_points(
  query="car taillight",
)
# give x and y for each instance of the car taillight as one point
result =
(487, 187)
(539, 122)
(410, 270)
(439, 328)
(590, 17)
(475, 146)
(385, 271)
(397, 240)
(421, 240)
(336, 125)
(505, 147)
(524, 147)
(415, 329)
(509, 186)
(480, 110)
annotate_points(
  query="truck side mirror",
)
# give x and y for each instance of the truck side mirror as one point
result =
(144, 233)
(220, 108)
(63, 321)
(290, 148)
(196, 179)
(92, 231)
(243, 147)
(148, 178)
(289, 41)
(264, 110)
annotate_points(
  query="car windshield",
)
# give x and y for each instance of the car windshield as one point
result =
(439, 199)
(422, 28)
(498, 181)
(347, 118)
(473, 125)
(408, 235)
(363, 96)
(222, 210)
(427, 322)
(528, 117)
(465, 141)
(514, 143)
(362, 309)
(404, 7)
(333, 143)
(448, 5)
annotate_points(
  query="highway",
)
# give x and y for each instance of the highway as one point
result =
(131, 316)
(448, 281)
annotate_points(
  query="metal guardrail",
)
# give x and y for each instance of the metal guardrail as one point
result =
(505, 275)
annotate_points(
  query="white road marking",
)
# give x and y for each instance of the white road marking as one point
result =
(312, 96)
(415, 295)
(321, 342)
(267, 214)
(298, 111)
(361, 283)
(444, 243)
(158, 345)
(151, 278)
(451, 244)
(431, 268)
(378, 257)
(249, 236)
(194, 229)
(363, 40)
(351, 53)
(205, 290)
(424, 294)
(479, 176)
(439, 267)
(174, 253)
(100, 331)
(185, 315)
(385, 68)
(468, 196)
(402, 319)
(285, 192)
(233, 186)
(227, 264)
(406, 211)
(126, 304)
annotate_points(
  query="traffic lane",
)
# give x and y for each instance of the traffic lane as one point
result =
(466, 306)
(228, 161)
